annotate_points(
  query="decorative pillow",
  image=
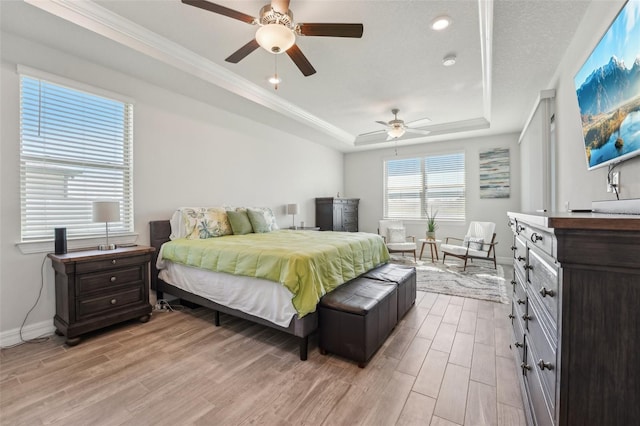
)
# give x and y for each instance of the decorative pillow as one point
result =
(475, 243)
(268, 216)
(258, 221)
(396, 235)
(240, 222)
(199, 223)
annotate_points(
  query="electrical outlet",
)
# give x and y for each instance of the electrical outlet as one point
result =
(615, 180)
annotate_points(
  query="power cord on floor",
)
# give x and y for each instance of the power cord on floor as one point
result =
(40, 339)
(163, 305)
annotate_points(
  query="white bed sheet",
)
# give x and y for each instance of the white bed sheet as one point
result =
(262, 298)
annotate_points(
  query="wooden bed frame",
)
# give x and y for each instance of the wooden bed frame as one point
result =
(299, 327)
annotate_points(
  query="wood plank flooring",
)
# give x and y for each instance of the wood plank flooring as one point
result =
(447, 363)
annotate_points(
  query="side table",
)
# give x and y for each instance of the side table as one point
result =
(433, 245)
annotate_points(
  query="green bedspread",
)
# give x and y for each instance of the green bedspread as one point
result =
(308, 263)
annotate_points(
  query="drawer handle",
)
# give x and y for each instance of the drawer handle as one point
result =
(544, 365)
(521, 258)
(525, 367)
(114, 301)
(520, 228)
(521, 302)
(527, 317)
(514, 248)
(518, 345)
(535, 238)
(544, 292)
(113, 279)
(113, 261)
(511, 316)
(529, 267)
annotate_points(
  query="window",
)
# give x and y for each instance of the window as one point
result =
(75, 147)
(414, 186)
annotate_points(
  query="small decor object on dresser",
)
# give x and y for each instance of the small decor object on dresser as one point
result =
(95, 289)
(337, 214)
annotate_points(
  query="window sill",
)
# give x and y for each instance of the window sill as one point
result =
(47, 246)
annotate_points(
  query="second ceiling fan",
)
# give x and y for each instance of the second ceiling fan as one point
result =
(278, 31)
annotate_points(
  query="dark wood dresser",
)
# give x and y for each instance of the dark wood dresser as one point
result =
(576, 317)
(95, 289)
(337, 214)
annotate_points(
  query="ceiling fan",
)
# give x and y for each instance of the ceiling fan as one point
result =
(278, 31)
(396, 128)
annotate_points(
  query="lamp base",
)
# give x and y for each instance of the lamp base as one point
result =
(107, 247)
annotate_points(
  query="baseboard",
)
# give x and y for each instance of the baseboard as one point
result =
(31, 331)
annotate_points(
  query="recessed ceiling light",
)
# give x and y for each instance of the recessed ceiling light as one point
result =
(440, 23)
(449, 60)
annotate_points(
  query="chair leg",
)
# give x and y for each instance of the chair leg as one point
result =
(465, 264)
(414, 257)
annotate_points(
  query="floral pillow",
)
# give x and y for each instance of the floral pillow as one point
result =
(196, 223)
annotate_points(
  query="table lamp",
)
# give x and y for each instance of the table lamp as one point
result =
(293, 209)
(106, 211)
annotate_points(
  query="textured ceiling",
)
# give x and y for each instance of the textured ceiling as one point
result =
(397, 62)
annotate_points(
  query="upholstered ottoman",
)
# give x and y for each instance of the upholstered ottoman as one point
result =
(404, 277)
(355, 319)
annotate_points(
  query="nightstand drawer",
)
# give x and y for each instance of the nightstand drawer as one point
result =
(109, 301)
(96, 265)
(97, 281)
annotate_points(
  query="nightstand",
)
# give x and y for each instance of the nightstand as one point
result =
(95, 289)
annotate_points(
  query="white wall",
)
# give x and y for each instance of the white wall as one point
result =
(185, 153)
(576, 184)
(364, 179)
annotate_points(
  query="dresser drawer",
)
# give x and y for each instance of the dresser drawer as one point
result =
(101, 304)
(542, 412)
(518, 333)
(543, 281)
(520, 255)
(537, 237)
(93, 266)
(541, 351)
(97, 281)
(519, 293)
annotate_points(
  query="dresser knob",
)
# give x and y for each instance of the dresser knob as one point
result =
(520, 228)
(521, 302)
(529, 267)
(511, 316)
(535, 237)
(518, 344)
(544, 365)
(113, 261)
(114, 301)
(514, 248)
(113, 279)
(544, 292)
(521, 258)
(527, 317)
(525, 367)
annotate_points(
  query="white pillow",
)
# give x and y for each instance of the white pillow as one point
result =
(475, 243)
(396, 235)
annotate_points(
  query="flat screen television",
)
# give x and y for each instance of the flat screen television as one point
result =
(608, 90)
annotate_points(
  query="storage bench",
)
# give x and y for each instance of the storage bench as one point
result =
(356, 318)
(404, 277)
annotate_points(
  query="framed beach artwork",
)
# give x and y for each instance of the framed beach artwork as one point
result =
(494, 173)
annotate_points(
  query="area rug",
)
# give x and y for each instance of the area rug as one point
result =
(479, 281)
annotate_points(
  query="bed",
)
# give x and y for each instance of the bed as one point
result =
(294, 280)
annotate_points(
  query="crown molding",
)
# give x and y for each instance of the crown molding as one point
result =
(97, 19)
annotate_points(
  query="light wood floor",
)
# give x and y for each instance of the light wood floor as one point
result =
(448, 362)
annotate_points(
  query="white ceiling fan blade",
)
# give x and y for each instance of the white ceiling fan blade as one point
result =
(377, 132)
(384, 123)
(419, 123)
(418, 131)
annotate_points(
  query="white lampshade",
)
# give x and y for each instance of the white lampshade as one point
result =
(106, 211)
(396, 132)
(275, 38)
(293, 208)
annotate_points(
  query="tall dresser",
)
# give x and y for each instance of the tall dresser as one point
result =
(337, 214)
(576, 317)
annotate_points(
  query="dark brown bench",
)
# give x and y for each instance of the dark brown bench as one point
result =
(404, 277)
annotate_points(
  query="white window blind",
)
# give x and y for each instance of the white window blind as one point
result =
(414, 186)
(75, 148)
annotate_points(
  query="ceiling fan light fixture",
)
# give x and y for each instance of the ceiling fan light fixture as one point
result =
(274, 79)
(396, 131)
(449, 60)
(275, 38)
(441, 23)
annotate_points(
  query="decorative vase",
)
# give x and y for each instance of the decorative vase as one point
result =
(431, 235)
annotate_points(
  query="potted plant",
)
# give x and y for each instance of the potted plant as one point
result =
(431, 224)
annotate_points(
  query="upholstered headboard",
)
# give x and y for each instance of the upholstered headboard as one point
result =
(159, 231)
